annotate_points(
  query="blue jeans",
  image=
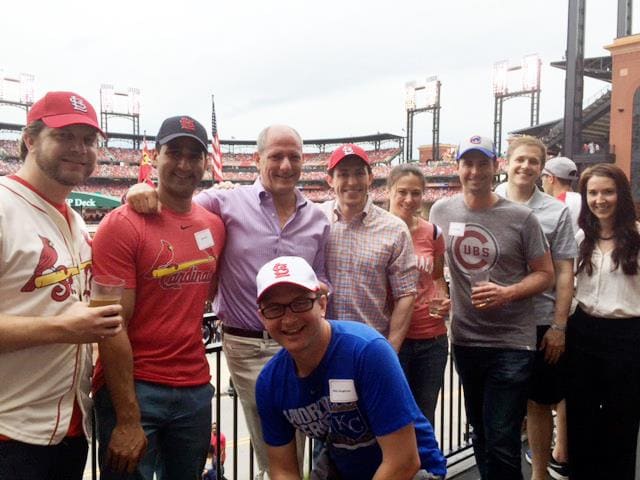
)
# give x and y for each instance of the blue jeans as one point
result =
(423, 362)
(496, 386)
(177, 423)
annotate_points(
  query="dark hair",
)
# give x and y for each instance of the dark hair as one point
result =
(564, 181)
(32, 130)
(625, 229)
(403, 170)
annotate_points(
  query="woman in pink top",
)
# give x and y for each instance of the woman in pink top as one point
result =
(424, 352)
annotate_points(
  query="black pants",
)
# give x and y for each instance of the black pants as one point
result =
(23, 461)
(603, 396)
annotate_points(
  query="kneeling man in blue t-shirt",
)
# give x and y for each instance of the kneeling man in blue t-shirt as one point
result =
(339, 382)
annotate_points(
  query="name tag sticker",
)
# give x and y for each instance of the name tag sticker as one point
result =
(342, 391)
(204, 239)
(456, 229)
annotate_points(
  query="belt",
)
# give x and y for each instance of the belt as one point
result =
(241, 332)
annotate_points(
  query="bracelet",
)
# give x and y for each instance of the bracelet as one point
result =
(560, 328)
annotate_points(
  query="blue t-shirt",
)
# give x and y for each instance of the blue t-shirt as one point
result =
(356, 393)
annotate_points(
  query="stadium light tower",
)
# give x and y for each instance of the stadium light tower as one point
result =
(16, 90)
(423, 98)
(527, 84)
(123, 104)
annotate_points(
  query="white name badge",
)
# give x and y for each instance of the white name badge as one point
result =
(342, 391)
(456, 229)
(204, 239)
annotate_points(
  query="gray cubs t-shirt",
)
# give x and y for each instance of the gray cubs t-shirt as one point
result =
(555, 220)
(501, 239)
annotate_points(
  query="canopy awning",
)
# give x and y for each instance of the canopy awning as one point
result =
(81, 200)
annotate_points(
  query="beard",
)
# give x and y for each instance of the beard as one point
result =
(59, 171)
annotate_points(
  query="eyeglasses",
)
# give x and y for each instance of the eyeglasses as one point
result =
(277, 310)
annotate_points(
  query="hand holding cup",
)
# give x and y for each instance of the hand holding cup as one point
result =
(480, 292)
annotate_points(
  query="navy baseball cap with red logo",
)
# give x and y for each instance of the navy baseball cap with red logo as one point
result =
(344, 151)
(182, 126)
(61, 109)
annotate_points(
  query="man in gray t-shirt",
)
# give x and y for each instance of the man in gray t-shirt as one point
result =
(493, 331)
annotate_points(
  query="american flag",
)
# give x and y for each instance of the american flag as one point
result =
(145, 169)
(216, 156)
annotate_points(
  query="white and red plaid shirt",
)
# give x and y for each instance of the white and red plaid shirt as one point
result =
(371, 264)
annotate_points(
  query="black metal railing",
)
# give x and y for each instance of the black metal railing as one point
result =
(451, 427)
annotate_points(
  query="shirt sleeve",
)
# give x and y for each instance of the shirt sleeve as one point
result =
(535, 242)
(382, 383)
(320, 260)
(276, 429)
(564, 246)
(209, 199)
(402, 271)
(114, 248)
(438, 243)
(434, 217)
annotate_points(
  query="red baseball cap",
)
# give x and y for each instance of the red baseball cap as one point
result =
(61, 109)
(344, 151)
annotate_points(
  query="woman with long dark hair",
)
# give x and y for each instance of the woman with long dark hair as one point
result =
(603, 336)
(424, 352)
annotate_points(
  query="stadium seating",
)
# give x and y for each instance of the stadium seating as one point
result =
(117, 170)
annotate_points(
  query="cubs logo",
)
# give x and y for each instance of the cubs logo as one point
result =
(78, 104)
(475, 251)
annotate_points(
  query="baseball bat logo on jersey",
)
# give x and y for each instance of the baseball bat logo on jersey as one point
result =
(476, 250)
(47, 273)
(173, 274)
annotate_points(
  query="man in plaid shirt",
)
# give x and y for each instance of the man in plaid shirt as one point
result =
(370, 257)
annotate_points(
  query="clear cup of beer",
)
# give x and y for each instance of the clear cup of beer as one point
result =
(476, 278)
(105, 290)
(436, 303)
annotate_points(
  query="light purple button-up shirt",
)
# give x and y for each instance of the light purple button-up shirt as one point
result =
(254, 237)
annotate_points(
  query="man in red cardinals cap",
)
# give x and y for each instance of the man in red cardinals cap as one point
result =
(46, 327)
(370, 256)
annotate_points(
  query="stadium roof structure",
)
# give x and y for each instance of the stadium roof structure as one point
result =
(319, 142)
(599, 68)
(11, 126)
(595, 117)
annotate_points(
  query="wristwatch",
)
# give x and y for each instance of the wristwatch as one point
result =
(560, 328)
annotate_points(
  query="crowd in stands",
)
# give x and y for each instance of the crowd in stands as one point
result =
(129, 156)
(7, 167)
(122, 164)
(113, 189)
(9, 149)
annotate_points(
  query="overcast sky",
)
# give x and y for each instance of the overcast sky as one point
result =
(330, 68)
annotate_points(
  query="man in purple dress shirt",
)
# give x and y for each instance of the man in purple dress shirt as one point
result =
(265, 220)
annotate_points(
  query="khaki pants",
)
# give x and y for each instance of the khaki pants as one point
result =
(245, 359)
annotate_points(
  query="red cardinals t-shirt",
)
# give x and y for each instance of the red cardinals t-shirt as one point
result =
(170, 259)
